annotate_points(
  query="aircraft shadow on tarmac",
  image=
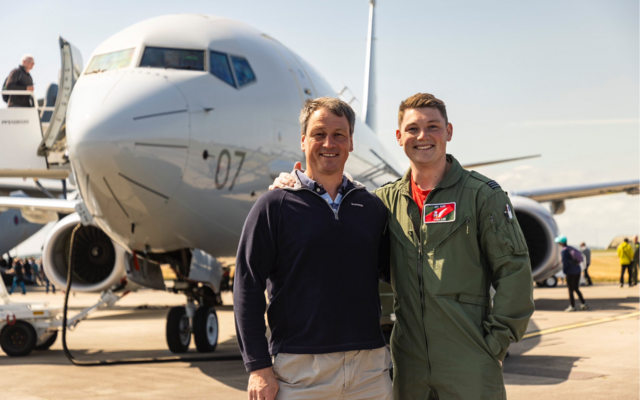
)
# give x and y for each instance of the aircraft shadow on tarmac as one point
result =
(618, 303)
(230, 373)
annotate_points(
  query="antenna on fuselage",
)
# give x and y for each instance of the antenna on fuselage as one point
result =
(369, 96)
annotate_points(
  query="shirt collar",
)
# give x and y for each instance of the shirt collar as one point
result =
(314, 186)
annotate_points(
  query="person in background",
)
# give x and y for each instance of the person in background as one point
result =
(635, 262)
(43, 277)
(20, 79)
(587, 256)
(37, 280)
(26, 266)
(625, 253)
(571, 259)
(18, 278)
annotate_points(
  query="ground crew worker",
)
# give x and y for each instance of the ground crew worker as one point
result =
(635, 262)
(453, 235)
(625, 253)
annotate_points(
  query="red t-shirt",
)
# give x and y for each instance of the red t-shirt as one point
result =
(419, 195)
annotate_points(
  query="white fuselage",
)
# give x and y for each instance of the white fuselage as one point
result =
(168, 159)
(14, 229)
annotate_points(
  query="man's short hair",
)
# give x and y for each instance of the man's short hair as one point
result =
(421, 100)
(25, 58)
(336, 106)
(626, 240)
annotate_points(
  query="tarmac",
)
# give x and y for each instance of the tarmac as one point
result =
(581, 355)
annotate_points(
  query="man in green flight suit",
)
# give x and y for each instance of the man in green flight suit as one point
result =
(454, 234)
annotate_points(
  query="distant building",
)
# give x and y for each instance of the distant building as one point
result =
(619, 239)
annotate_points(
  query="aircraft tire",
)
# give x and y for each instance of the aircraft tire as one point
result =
(551, 282)
(48, 343)
(178, 331)
(205, 329)
(19, 339)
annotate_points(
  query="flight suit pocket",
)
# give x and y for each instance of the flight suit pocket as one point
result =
(520, 244)
(503, 237)
(474, 313)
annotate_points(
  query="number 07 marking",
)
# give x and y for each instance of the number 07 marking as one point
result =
(240, 154)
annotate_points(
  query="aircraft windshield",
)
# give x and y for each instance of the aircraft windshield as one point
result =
(158, 57)
(109, 61)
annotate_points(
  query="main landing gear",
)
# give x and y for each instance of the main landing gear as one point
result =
(200, 321)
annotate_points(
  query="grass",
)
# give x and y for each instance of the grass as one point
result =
(605, 266)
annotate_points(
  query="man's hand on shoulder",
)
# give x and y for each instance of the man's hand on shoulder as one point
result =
(263, 384)
(286, 179)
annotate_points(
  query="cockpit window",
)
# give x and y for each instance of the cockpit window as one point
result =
(244, 73)
(159, 57)
(109, 61)
(220, 67)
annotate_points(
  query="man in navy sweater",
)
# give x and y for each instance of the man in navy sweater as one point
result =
(317, 249)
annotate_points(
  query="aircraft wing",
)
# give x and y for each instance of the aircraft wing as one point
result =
(30, 204)
(575, 192)
(492, 162)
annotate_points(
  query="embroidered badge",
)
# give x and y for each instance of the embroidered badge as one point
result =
(436, 213)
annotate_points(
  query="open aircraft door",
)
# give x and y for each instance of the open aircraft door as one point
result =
(53, 145)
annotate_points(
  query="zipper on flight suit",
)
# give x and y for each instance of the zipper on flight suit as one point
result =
(421, 288)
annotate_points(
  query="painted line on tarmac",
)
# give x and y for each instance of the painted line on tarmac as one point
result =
(580, 325)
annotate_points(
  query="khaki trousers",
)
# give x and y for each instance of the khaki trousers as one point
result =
(351, 375)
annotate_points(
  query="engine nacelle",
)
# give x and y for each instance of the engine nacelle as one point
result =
(99, 262)
(540, 230)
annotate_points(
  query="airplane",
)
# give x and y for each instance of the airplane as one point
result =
(173, 130)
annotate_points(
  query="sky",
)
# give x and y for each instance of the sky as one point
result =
(556, 78)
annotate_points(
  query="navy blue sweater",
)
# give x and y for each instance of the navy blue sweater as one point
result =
(320, 270)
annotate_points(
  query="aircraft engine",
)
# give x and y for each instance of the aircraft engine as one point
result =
(540, 230)
(99, 264)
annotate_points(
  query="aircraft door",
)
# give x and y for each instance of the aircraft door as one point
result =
(69, 74)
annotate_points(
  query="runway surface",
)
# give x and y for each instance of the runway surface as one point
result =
(580, 355)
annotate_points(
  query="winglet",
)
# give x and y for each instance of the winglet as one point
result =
(369, 96)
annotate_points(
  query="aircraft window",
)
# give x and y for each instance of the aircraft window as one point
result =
(159, 57)
(244, 73)
(220, 67)
(109, 61)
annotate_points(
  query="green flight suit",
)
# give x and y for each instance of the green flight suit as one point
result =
(448, 337)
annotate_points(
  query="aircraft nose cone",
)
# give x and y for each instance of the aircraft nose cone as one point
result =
(128, 136)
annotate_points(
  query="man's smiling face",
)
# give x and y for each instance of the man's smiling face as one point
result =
(424, 134)
(327, 143)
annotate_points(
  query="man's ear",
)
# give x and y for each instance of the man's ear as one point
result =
(302, 137)
(399, 137)
(350, 143)
(449, 131)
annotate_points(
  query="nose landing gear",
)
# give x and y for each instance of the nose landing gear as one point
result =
(201, 321)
